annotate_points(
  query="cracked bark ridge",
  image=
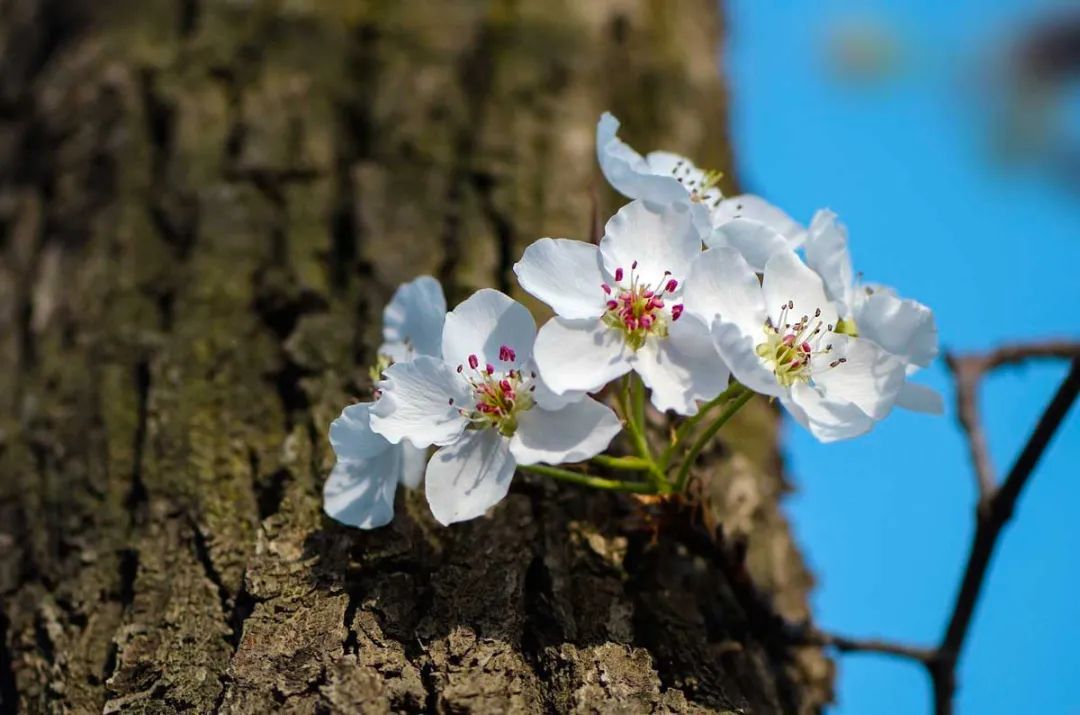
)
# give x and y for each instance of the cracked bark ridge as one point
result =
(204, 206)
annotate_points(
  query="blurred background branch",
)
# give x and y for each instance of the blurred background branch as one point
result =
(997, 502)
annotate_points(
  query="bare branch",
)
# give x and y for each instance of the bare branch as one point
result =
(994, 514)
(968, 371)
(995, 508)
(1013, 354)
(813, 636)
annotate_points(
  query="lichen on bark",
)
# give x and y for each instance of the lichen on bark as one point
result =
(205, 205)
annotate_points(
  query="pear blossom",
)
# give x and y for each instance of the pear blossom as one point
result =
(903, 327)
(361, 487)
(617, 309)
(479, 404)
(660, 177)
(779, 337)
(748, 223)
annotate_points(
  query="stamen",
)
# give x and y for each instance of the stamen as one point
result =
(638, 310)
(790, 349)
(497, 397)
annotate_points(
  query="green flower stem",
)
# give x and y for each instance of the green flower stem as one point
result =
(586, 480)
(637, 435)
(633, 464)
(688, 425)
(637, 392)
(742, 396)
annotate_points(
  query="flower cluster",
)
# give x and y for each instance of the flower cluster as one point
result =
(700, 299)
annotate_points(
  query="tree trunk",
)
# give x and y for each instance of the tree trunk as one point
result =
(204, 206)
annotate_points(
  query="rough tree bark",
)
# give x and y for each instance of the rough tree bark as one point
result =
(204, 206)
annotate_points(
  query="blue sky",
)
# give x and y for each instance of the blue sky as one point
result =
(906, 162)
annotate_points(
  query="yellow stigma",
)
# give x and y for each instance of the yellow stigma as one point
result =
(382, 362)
(789, 360)
(847, 326)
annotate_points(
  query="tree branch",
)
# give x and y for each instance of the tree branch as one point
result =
(995, 508)
(968, 371)
(995, 511)
(812, 636)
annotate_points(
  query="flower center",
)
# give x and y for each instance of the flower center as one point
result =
(638, 311)
(499, 394)
(789, 347)
(703, 184)
(375, 372)
(847, 326)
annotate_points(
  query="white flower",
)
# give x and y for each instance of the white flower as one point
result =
(361, 487)
(748, 223)
(617, 309)
(778, 337)
(660, 177)
(903, 327)
(479, 405)
(755, 228)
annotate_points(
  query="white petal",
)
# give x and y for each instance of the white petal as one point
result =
(667, 164)
(483, 323)
(755, 208)
(413, 320)
(787, 279)
(579, 355)
(469, 477)
(757, 242)
(690, 177)
(628, 172)
(351, 435)
(920, 398)
(658, 237)
(564, 274)
(870, 378)
(420, 401)
(576, 432)
(360, 492)
(827, 253)
(547, 399)
(677, 380)
(721, 283)
(828, 421)
(690, 335)
(904, 327)
(737, 351)
(413, 462)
